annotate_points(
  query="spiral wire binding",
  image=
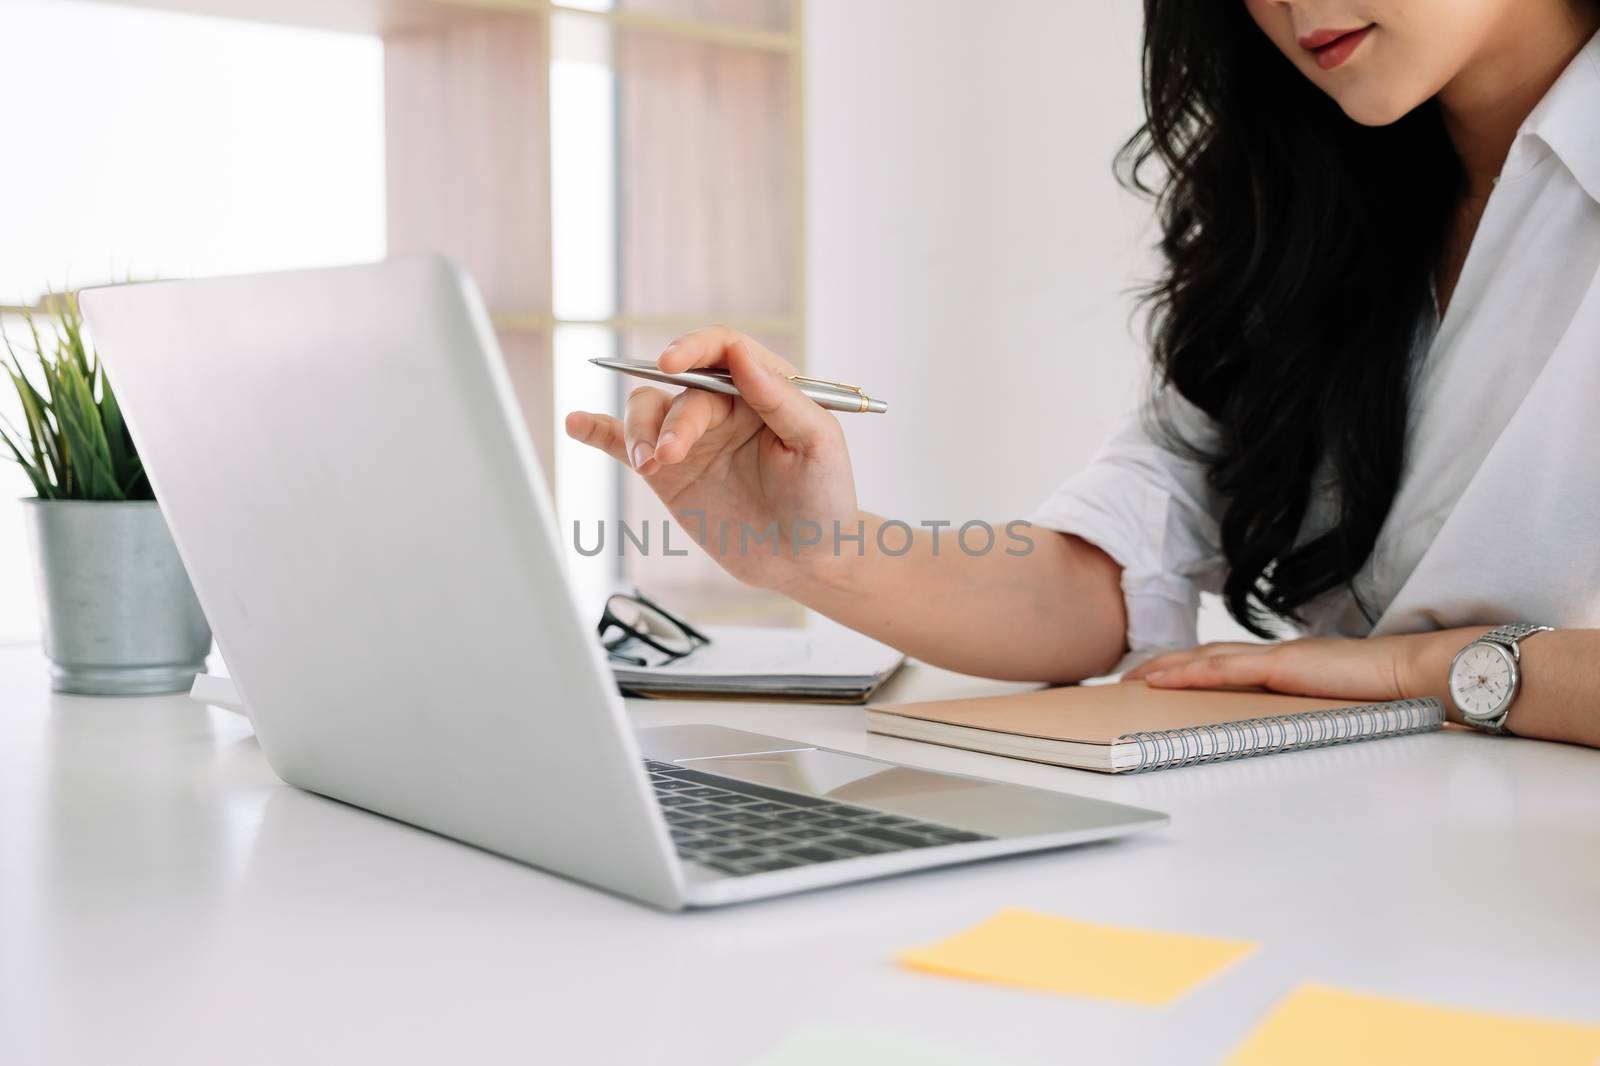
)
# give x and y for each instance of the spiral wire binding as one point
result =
(1192, 745)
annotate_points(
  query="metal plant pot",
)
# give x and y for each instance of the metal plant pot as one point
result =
(119, 615)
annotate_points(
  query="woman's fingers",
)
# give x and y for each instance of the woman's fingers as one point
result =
(709, 347)
(641, 425)
(762, 379)
(691, 414)
(1219, 670)
(1172, 659)
(766, 387)
(598, 431)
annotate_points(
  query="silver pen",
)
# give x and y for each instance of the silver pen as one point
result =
(830, 394)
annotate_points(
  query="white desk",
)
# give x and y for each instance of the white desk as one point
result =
(165, 899)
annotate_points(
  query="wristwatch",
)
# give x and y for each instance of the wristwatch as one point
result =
(1485, 676)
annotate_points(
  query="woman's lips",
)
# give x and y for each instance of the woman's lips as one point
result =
(1333, 47)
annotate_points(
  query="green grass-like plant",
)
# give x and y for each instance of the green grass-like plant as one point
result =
(75, 445)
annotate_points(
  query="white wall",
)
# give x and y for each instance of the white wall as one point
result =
(971, 255)
(970, 251)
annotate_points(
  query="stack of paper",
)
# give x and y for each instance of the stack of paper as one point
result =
(823, 664)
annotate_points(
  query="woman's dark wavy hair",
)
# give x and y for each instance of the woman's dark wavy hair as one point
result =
(1300, 250)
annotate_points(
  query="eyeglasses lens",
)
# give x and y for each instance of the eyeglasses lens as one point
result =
(641, 618)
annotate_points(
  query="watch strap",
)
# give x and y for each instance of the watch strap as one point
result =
(1514, 633)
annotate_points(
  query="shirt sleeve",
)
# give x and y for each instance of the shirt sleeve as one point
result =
(1148, 504)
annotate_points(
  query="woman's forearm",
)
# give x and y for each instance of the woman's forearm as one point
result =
(1560, 694)
(1042, 606)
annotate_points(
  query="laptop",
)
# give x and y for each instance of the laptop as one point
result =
(349, 480)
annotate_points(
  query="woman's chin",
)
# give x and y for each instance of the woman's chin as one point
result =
(1375, 108)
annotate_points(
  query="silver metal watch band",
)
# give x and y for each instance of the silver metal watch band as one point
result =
(1513, 633)
(1510, 636)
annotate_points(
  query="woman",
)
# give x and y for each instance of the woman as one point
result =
(1377, 339)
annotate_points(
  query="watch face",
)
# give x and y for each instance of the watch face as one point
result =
(1481, 680)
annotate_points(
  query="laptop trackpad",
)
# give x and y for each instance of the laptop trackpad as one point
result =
(983, 806)
(792, 766)
(834, 776)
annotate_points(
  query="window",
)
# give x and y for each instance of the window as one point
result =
(612, 172)
(649, 185)
(150, 144)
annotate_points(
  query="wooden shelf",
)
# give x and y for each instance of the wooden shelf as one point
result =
(350, 16)
(750, 24)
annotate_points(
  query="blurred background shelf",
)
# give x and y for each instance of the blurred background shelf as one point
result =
(612, 174)
(766, 24)
(914, 195)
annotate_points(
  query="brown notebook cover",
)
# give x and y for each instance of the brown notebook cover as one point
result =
(1127, 725)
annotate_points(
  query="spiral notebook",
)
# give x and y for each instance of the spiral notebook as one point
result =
(1127, 727)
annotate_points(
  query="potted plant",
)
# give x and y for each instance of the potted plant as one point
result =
(118, 614)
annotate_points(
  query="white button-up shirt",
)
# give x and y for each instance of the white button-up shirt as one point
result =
(1497, 518)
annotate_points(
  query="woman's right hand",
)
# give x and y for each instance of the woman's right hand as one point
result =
(733, 468)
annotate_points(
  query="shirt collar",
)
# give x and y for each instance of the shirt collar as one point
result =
(1565, 120)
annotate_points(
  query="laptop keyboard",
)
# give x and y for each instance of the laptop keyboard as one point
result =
(740, 828)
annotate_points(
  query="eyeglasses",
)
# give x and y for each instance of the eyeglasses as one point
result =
(637, 618)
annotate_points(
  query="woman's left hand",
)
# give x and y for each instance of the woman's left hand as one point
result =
(1371, 668)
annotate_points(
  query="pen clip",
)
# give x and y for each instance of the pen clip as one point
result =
(801, 379)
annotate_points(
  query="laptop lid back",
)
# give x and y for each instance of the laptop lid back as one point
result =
(347, 475)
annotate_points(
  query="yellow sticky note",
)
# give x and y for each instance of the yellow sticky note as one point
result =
(1019, 947)
(1317, 1025)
